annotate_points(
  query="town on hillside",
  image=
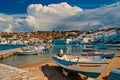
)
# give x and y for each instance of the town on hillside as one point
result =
(110, 35)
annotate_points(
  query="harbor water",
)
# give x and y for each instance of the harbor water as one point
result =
(22, 60)
(10, 46)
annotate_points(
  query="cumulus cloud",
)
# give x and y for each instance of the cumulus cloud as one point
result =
(47, 17)
(2, 19)
(103, 17)
(8, 29)
(61, 16)
(38, 17)
(5, 22)
(10, 23)
(62, 9)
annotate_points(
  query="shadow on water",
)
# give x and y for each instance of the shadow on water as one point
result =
(55, 73)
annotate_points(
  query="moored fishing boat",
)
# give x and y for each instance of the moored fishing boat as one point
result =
(118, 48)
(100, 54)
(32, 50)
(114, 74)
(108, 55)
(91, 54)
(88, 48)
(86, 66)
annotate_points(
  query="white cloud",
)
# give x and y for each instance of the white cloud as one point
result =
(61, 16)
(9, 23)
(47, 17)
(107, 16)
(38, 17)
(2, 19)
(62, 9)
(5, 22)
(8, 29)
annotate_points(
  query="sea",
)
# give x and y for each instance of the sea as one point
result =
(72, 49)
(10, 46)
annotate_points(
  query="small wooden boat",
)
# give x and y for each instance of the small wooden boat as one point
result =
(114, 74)
(91, 54)
(118, 48)
(102, 47)
(77, 64)
(32, 51)
(107, 55)
(102, 55)
(88, 48)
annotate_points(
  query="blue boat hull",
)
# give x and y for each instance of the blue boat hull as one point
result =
(90, 54)
(114, 74)
(109, 56)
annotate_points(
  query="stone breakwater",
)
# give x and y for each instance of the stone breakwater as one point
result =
(8, 53)
(11, 52)
(12, 73)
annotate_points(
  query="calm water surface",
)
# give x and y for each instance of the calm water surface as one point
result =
(10, 46)
(22, 60)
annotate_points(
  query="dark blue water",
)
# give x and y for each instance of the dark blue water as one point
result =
(10, 46)
(22, 60)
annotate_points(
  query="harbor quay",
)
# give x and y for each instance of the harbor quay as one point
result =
(13, 73)
(8, 53)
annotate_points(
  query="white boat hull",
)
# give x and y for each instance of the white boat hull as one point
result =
(90, 69)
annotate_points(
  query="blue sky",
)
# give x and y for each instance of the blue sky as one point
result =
(20, 6)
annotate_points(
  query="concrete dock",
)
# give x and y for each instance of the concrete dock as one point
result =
(12, 73)
(8, 53)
